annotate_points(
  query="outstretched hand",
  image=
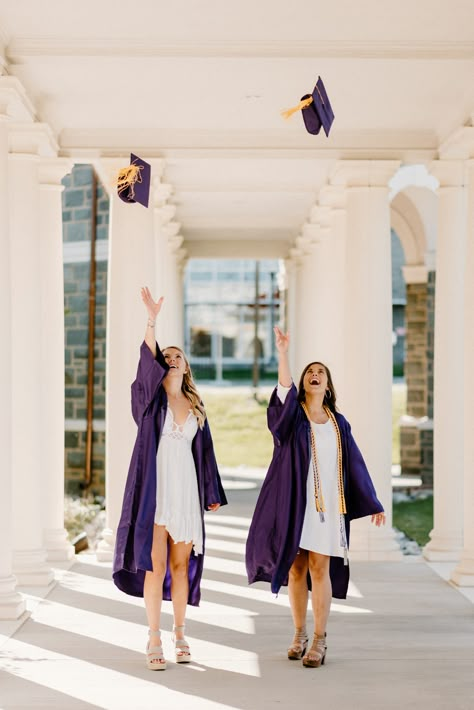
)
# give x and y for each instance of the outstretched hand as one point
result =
(152, 307)
(378, 519)
(282, 340)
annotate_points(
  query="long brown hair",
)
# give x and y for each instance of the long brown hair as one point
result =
(188, 388)
(329, 399)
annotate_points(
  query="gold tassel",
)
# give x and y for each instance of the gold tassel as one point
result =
(127, 177)
(302, 104)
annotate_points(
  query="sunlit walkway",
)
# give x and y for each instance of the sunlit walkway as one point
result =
(403, 639)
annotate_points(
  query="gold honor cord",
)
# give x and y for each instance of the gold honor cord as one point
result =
(304, 103)
(318, 493)
(127, 178)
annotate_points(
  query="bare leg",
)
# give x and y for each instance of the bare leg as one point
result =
(322, 591)
(153, 587)
(179, 562)
(298, 595)
(321, 603)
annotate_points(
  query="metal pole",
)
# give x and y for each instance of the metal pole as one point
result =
(255, 339)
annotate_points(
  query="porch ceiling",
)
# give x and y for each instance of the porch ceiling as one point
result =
(202, 85)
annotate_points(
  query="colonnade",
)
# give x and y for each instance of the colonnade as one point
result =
(339, 311)
(348, 238)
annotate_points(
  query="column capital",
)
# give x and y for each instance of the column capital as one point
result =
(32, 139)
(295, 257)
(52, 170)
(174, 243)
(363, 173)
(165, 214)
(304, 244)
(13, 100)
(333, 196)
(171, 229)
(415, 274)
(460, 144)
(449, 173)
(311, 232)
(321, 215)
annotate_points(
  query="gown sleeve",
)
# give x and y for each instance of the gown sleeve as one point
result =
(213, 489)
(362, 494)
(281, 415)
(150, 374)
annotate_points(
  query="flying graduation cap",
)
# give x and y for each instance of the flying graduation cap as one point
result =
(316, 110)
(133, 182)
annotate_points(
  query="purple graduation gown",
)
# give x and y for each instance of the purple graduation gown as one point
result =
(275, 530)
(132, 555)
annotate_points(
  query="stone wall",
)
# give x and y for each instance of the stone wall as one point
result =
(426, 429)
(416, 378)
(77, 215)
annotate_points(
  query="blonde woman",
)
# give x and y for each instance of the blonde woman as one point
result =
(172, 479)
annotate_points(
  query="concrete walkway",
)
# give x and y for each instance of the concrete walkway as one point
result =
(403, 639)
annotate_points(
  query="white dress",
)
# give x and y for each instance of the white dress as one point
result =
(317, 536)
(177, 497)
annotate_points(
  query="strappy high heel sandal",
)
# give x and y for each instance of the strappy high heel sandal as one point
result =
(298, 645)
(317, 653)
(155, 661)
(183, 654)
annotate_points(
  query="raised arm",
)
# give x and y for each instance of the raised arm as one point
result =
(282, 341)
(153, 309)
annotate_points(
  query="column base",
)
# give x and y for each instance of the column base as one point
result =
(370, 543)
(30, 568)
(463, 574)
(105, 548)
(58, 547)
(12, 604)
(442, 548)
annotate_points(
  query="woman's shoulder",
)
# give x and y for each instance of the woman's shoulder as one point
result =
(342, 421)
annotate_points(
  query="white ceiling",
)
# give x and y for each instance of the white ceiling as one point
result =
(201, 83)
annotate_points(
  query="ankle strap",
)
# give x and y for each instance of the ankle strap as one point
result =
(154, 633)
(175, 628)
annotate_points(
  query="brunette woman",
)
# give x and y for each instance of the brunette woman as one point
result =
(316, 484)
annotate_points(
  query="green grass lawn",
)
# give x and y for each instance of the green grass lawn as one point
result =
(239, 427)
(414, 518)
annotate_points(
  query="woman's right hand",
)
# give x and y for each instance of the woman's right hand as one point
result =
(282, 340)
(152, 307)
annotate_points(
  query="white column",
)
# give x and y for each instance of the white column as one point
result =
(55, 538)
(175, 291)
(29, 560)
(292, 269)
(333, 258)
(11, 603)
(131, 266)
(368, 339)
(463, 574)
(446, 536)
(290, 322)
(306, 338)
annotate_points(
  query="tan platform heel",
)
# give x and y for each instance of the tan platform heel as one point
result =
(316, 655)
(299, 644)
(155, 661)
(183, 654)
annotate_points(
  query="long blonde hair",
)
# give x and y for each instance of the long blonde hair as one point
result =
(188, 388)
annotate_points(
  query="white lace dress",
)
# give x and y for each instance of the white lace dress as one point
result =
(323, 537)
(177, 497)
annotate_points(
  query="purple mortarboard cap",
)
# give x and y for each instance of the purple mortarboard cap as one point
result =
(319, 112)
(133, 184)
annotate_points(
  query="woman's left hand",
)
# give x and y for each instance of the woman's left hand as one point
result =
(378, 519)
(213, 507)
